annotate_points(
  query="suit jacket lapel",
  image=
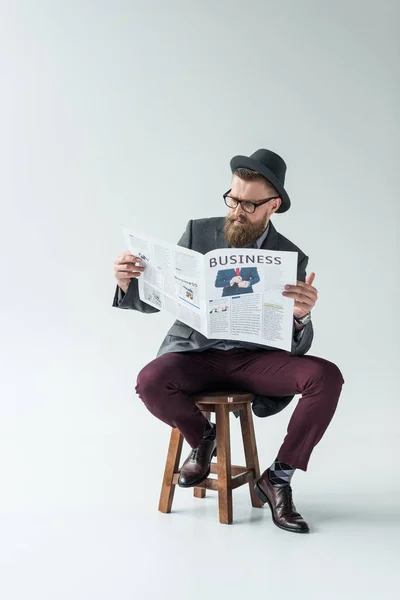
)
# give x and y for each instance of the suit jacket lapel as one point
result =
(220, 241)
(271, 242)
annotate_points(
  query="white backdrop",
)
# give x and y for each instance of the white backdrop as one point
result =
(127, 114)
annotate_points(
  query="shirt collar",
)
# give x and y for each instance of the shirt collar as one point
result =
(262, 237)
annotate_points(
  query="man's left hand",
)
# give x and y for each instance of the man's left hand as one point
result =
(305, 296)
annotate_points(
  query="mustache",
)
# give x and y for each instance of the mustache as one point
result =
(232, 219)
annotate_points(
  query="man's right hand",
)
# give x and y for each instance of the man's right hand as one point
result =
(125, 269)
(236, 279)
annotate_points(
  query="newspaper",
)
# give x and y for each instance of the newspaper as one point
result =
(228, 293)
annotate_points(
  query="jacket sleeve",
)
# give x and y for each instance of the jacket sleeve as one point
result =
(131, 299)
(302, 340)
(222, 280)
(254, 277)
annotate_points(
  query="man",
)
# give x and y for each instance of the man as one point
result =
(188, 363)
(237, 281)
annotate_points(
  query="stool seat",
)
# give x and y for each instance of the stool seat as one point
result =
(229, 477)
(227, 397)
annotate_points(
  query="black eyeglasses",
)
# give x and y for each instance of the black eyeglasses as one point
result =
(247, 206)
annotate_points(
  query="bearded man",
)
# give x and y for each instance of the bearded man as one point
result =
(188, 363)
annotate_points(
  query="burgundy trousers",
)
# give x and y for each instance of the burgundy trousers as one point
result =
(166, 384)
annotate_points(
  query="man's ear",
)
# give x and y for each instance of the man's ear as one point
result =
(276, 204)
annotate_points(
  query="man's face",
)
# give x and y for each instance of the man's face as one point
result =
(243, 228)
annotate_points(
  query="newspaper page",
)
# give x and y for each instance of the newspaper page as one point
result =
(244, 295)
(229, 293)
(172, 280)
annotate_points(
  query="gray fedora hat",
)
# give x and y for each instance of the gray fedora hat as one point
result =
(269, 164)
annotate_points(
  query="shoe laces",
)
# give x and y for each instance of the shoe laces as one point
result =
(288, 496)
(288, 492)
(193, 454)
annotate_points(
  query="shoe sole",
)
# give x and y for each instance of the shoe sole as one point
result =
(203, 477)
(265, 499)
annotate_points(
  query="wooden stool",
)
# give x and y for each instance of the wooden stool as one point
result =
(229, 476)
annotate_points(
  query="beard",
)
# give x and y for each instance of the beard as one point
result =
(241, 235)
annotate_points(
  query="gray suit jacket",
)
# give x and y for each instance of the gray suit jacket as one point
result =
(204, 235)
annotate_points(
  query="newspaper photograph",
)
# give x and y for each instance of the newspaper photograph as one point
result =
(228, 293)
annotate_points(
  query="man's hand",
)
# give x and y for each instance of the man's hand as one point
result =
(234, 280)
(304, 294)
(244, 284)
(125, 269)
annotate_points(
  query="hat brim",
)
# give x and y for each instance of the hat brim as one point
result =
(249, 163)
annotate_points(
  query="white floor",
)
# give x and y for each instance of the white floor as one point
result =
(123, 552)
(80, 476)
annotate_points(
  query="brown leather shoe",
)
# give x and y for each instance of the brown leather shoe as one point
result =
(280, 501)
(196, 467)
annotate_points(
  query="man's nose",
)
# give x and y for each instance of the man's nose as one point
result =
(238, 212)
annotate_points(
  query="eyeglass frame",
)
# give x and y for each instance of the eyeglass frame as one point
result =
(256, 205)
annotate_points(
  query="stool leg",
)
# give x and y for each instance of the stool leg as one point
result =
(224, 464)
(171, 467)
(201, 492)
(250, 450)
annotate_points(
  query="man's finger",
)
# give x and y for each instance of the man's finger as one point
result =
(300, 303)
(121, 257)
(128, 258)
(128, 269)
(300, 296)
(297, 289)
(310, 278)
(301, 285)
